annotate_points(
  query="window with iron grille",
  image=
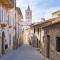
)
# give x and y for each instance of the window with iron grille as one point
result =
(58, 44)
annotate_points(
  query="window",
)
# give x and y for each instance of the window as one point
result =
(37, 43)
(43, 38)
(58, 44)
(10, 39)
(38, 30)
(0, 13)
(34, 30)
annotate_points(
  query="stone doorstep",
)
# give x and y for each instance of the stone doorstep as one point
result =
(44, 58)
(38, 49)
(0, 55)
(6, 52)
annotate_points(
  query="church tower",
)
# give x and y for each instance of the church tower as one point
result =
(28, 16)
(28, 21)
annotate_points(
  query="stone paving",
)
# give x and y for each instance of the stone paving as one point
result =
(25, 52)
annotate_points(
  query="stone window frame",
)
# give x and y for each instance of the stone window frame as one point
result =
(57, 48)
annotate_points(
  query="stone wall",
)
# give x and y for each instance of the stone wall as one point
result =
(0, 41)
(53, 31)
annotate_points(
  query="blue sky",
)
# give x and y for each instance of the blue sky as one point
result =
(40, 8)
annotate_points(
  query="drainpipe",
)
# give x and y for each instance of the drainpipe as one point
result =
(15, 43)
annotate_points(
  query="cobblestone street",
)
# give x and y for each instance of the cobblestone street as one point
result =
(25, 52)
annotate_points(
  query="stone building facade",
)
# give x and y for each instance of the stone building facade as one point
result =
(5, 5)
(8, 20)
(15, 17)
(38, 34)
(49, 34)
(19, 18)
(51, 39)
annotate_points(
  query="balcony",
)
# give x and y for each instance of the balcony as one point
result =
(3, 25)
(10, 26)
(7, 3)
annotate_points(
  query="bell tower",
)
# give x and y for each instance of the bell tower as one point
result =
(28, 16)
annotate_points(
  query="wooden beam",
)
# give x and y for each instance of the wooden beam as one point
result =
(7, 3)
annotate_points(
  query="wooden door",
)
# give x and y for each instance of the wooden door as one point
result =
(48, 45)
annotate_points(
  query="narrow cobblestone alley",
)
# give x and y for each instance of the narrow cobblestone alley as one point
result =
(25, 52)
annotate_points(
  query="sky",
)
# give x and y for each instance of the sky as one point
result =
(40, 8)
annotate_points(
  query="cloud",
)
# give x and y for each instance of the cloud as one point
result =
(40, 8)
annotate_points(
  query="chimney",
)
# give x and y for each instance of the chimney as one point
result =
(42, 19)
